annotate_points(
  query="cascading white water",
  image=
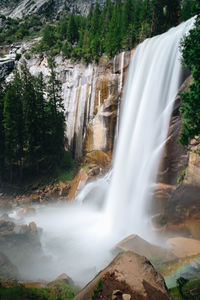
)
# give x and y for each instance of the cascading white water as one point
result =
(78, 238)
(153, 81)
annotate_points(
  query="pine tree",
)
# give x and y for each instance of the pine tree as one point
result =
(127, 15)
(12, 119)
(95, 21)
(41, 118)
(55, 116)
(31, 112)
(48, 36)
(190, 108)
(72, 30)
(62, 29)
(113, 37)
(173, 13)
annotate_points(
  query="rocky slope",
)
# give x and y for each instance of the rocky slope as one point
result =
(20, 8)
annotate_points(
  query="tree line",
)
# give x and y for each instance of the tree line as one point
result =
(119, 26)
(31, 125)
(190, 108)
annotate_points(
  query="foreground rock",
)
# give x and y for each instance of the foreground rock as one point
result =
(142, 247)
(26, 211)
(21, 243)
(129, 276)
(184, 247)
(78, 183)
(7, 270)
(63, 278)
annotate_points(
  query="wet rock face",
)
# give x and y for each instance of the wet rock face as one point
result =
(129, 276)
(91, 100)
(17, 9)
(6, 66)
(177, 197)
(7, 270)
(175, 157)
(21, 243)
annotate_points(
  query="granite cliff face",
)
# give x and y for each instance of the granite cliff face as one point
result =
(177, 193)
(92, 96)
(20, 8)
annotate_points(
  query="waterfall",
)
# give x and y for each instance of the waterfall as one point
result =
(78, 237)
(153, 81)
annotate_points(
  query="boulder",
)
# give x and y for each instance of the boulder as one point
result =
(6, 66)
(95, 171)
(98, 157)
(78, 183)
(129, 276)
(21, 243)
(63, 278)
(7, 270)
(142, 247)
(26, 211)
(184, 247)
(6, 227)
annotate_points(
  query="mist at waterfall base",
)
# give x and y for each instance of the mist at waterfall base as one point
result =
(78, 238)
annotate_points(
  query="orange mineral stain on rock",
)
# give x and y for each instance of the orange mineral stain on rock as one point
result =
(78, 183)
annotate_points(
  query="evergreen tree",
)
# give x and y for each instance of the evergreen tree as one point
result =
(158, 19)
(62, 29)
(127, 15)
(173, 13)
(188, 9)
(113, 37)
(190, 107)
(55, 116)
(95, 21)
(31, 111)
(67, 49)
(48, 37)
(41, 118)
(72, 30)
(12, 116)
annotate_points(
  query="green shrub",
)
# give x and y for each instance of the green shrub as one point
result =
(18, 56)
(181, 177)
(27, 55)
(98, 289)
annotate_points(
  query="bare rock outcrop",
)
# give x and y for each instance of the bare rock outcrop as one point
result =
(8, 271)
(21, 243)
(18, 9)
(6, 66)
(184, 247)
(92, 96)
(78, 183)
(138, 245)
(129, 276)
(176, 202)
